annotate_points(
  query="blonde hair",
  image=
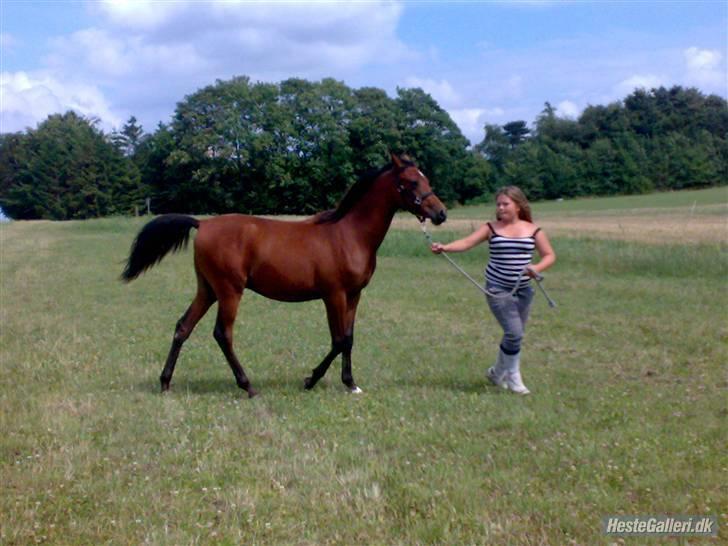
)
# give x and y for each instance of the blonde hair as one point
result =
(519, 198)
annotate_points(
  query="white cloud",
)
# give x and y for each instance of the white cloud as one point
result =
(442, 91)
(94, 49)
(102, 57)
(465, 111)
(138, 15)
(27, 99)
(144, 54)
(705, 69)
(251, 37)
(471, 121)
(702, 59)
(568, 109)
(638, 81)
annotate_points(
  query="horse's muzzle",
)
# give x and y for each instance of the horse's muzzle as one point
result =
(439, 217)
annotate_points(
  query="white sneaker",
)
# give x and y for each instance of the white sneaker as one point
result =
(498, 379)
(497, 374)
(514, 383)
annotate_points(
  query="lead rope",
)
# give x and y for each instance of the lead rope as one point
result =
(538, 278)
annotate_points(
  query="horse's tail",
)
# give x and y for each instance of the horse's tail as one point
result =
(166, 233)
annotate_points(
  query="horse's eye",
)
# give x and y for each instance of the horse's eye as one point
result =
(413, 184)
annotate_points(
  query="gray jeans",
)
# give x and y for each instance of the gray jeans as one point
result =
(512, 313)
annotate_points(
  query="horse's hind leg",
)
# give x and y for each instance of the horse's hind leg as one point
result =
(227, 310)
(202, 302)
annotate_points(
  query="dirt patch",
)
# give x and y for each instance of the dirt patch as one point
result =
(659, 229)
(677, 226)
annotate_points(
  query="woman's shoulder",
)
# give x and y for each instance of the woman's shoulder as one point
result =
(522, 229)
(531, 229)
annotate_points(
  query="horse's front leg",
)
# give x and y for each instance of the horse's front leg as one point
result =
(336, 309)
(346, 376)
(320, 370)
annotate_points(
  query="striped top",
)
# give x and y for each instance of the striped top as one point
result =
(508, 257)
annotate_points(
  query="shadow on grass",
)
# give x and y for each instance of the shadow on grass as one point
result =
(289, 385)
(220, 385)
(456, 386)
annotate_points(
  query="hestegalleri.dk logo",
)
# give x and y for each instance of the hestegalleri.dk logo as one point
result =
(661, 525)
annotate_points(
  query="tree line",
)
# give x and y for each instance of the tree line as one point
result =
(295, 146)
(663, 139)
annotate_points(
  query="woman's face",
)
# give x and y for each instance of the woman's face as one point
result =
(506, 209)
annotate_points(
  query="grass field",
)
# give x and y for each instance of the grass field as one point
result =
(628, 412)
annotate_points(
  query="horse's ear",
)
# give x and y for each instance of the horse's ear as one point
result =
(396, 161)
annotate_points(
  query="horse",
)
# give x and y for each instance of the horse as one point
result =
(330, 256)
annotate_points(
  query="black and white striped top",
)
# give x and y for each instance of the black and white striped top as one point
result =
(508, 257)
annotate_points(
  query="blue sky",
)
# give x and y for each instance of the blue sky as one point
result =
(484, 62)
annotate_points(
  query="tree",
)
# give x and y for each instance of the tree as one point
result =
(65, 169)
(523, 169)
(295, 147)
(321, 114)
(658, 139)
(158, 178)
(494, 147)
(373, 130)
(516, 133)
(614, 167)
(429, 134)
(553, 128)
(680, 162)
(129, 138)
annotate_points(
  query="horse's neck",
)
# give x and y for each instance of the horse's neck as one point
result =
(370, 218)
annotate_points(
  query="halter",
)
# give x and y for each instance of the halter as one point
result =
(416, 199)
(420, 198)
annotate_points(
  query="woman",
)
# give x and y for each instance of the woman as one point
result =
(512, 239)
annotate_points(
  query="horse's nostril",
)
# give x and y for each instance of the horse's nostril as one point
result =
(439, 217)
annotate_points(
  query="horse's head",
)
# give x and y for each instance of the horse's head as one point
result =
(415, 193)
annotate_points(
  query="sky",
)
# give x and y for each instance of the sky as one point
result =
(484, 62)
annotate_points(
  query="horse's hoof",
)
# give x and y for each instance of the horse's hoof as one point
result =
(165, 388)
(309, 383)
(355, 390)
(252, 392)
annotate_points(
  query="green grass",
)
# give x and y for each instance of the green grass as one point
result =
(627, 414)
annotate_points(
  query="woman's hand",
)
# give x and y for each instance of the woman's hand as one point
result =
(532, 273)
(478, 236)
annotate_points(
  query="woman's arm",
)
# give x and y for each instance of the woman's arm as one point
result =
(478, 236)
(548, 256)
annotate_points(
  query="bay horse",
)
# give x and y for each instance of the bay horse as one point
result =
(330, 256)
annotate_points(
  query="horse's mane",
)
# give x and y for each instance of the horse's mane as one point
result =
(355, 192)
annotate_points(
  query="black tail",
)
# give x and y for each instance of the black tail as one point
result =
(166, 233)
